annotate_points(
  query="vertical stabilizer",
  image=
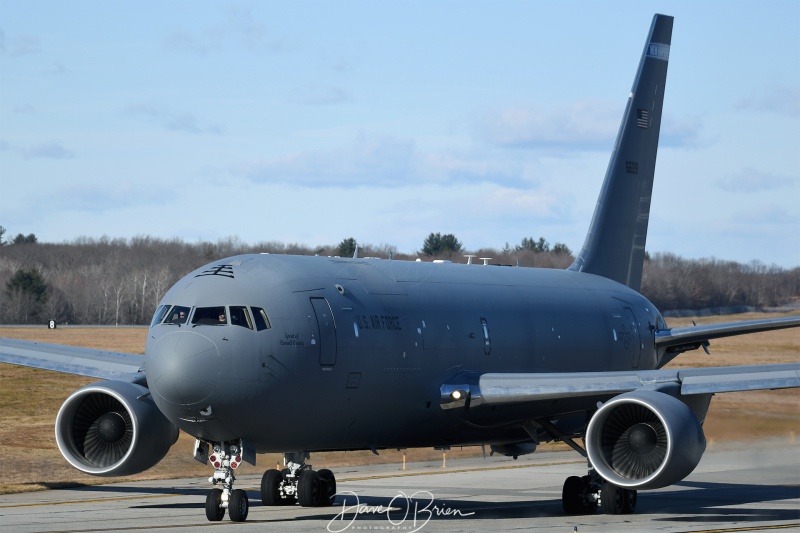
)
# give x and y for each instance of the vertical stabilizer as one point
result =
(614, 246)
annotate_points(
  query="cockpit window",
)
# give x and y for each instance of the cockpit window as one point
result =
(170, 314)
(177, 315)
(260, 318)
(210, 316)
(161, 312)
(240, 316)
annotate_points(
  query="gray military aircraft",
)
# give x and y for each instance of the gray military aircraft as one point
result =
(272, 353)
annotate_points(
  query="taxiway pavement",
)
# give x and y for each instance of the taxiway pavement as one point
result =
(733, 489)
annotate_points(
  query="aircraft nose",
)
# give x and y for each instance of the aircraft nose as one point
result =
(183, 367)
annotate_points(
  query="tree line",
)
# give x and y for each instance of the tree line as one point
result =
(121, 281)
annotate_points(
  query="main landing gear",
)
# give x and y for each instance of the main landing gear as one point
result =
(583, 495)
(298, 482)
(225, 458)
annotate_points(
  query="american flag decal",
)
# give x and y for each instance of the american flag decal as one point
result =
(642, 118)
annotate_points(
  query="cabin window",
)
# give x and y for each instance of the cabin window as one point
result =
(240, 317)
(260, 318)
(210, 316)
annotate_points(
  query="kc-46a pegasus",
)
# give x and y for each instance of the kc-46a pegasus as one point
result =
(296, 354)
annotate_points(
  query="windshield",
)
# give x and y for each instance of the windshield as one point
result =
(218, 315)
(170, 314)
(210, 316)
(177, 315)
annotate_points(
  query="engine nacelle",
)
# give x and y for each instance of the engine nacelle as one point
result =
(644, 440)
(113, 428)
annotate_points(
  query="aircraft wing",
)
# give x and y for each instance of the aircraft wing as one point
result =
(677, 340)
(497, 388)
(72, 360)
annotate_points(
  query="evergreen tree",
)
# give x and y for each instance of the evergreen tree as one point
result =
(26, 292)
(436, 243)
(561, 248)
(529, 243)
(29, 281)
(25, 239)
(346, 248)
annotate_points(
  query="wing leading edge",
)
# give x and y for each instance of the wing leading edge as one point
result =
(498, 389)
(72, 360)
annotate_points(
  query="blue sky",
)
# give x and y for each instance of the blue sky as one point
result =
(310, 122)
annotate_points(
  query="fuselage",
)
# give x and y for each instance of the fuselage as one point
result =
(310, 353)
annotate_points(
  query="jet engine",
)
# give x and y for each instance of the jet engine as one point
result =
(644, 440)
(113, 428)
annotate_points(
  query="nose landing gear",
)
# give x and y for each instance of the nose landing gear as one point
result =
(226, 458)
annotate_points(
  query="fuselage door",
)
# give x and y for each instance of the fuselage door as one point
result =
(636, 338)
(326, 342)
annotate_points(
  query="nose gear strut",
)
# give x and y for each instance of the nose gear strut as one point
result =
(225, 458)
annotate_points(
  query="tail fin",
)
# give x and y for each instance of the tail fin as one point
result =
(614, 246)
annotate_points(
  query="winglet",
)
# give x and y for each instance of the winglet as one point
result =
(614, 246)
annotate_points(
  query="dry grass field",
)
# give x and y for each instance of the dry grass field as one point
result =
(748, 415)
(30, 399)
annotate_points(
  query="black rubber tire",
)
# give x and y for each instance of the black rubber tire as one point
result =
(309, 489)
(571, 495)
(270, 483)
(214, 512)
(631, 497)
(612, 498)
(328, 481)
(238, 506)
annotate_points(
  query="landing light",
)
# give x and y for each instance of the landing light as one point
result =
(458, 394)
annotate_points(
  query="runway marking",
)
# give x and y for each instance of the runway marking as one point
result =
(96, 500)
(202, 524)
(458, 471)
(753, 528)
(256, 487)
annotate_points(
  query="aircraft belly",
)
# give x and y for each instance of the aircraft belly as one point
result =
(211, 430)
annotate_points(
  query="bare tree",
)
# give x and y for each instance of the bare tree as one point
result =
(118, 281)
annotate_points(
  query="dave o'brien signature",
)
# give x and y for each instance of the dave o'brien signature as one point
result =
(420, 507)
